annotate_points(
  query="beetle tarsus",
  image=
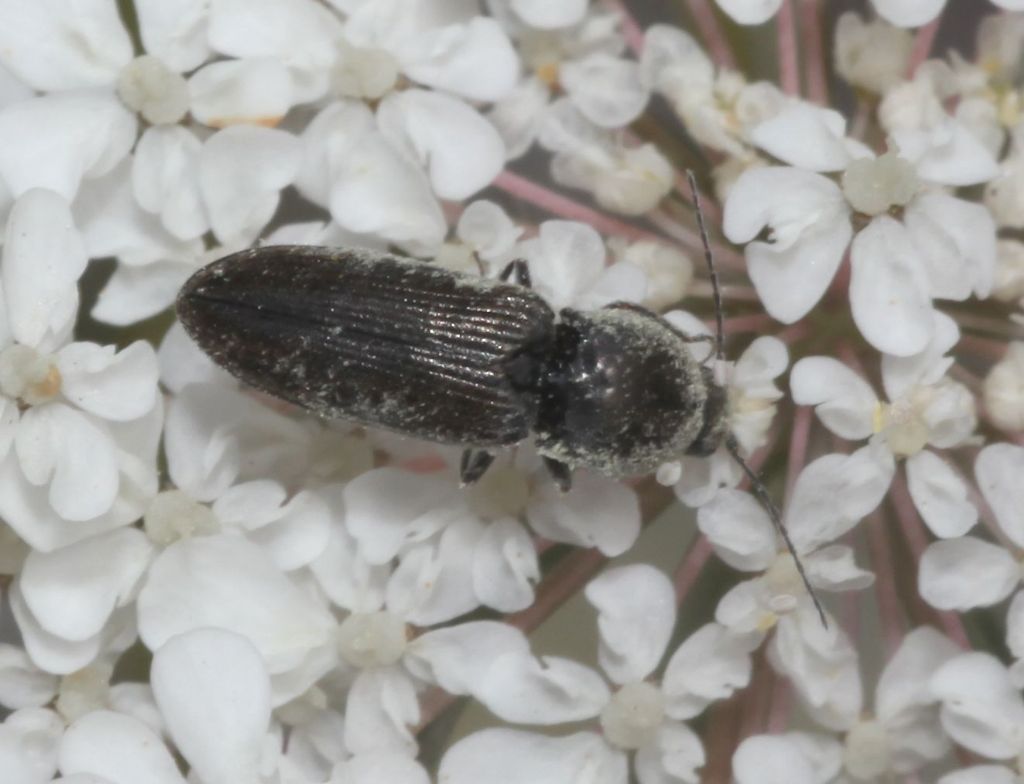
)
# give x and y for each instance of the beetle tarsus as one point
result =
(474, 464)
(521, 270)
(560, 472)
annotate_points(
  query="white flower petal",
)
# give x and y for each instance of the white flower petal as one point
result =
(256, 90)
(908, 13)
(225, 581)
(458, 657)
(844, 401)
(22, 684)
(81, 456)
(302, 34)
(998, 470)
(507, 756)
(549, 16)
(822, 665)
(27, 509)
(174, 32)
(765, 359)
(433, 582)
(739, 530)
(477, 62)
(214, 693)
(461, 150)
(744, 606)
(711, 664)
(832, 568)
(61, 138)
(810, 228)
(1015, 625)
(806, 136)
(596, 512)
(505, 567)
(947, 153)
(165, 179)
(85, 43)
(621, 282)
(347, 579)
(487, 228)
(957, 240)
(28, 745)
(675, 755)
(386, 507)
(47, 651)
(523, 689)
(636, 608)
(980, 774)
(380, 712)
(904, 683)
(565, 259)
(890, 295)
(981, 708)
(242, 170)
(834, 492)
(119, 387)
(750, 12)
(607, 90)
(43, 257)
(104, 570)
(940, 495)
(790, 758)
(132, 294)
(901, 374)
(382, 767)
(963, 573)
(118, 748)
(377, 189)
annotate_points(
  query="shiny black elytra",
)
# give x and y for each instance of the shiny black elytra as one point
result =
(414, 348)
(404, 345)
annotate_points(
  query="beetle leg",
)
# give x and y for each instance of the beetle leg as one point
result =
(560, 472)
(521, 270)
(474, 464)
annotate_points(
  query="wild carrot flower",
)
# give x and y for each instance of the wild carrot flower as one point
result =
(202, 584)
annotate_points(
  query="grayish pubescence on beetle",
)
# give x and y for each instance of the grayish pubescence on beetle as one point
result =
(624, 394)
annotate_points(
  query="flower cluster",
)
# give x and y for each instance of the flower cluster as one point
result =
(201, 584)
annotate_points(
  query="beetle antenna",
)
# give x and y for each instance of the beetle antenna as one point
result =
(730, 440)
(715, 290)
(773, 513)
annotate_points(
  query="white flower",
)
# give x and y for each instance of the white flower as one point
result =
(943, 249)
(1004, 390)
(576, 48)
(636, 609)
(750, 12)
(29, 741)
(967, 572)
(901, 735)
(982, 710)
(79, 422)
(214, 693)
(626, 178)
(718, 106)
(871, 55)
(567, 267)
(223, 580)
(926, 408)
